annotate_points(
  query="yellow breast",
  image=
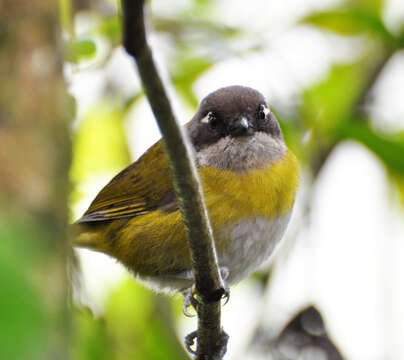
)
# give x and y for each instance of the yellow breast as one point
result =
(267, 192)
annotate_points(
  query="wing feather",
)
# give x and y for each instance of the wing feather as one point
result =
(142, 187)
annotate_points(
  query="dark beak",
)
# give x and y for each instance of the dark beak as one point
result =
(241, 127)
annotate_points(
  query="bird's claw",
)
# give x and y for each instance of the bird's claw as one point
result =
(190, 341)
(221, 345)
(189, 300)
(224, 273)
(226, 295)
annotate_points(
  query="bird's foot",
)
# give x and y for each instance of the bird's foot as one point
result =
(189, 301)
(190, 341)
(226, 295)
(220, 346)
(189, 294)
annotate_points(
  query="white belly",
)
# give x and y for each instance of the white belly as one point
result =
(252, 242)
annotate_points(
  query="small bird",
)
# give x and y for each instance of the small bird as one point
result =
(249, 179)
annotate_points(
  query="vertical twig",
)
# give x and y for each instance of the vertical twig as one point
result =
(208, 282)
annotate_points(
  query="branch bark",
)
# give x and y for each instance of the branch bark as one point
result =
(208, 282)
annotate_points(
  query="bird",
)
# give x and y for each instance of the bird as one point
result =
(249, 179)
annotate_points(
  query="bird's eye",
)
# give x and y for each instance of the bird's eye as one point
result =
(210, 119)
(263, 111)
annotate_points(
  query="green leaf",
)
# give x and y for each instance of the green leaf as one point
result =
(399, 181)
(389, 149)
(349, 22)
(330, 102)
(111, 28)
(372, 6)
(79, 50)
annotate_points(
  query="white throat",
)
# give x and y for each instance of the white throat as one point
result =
(242, 153)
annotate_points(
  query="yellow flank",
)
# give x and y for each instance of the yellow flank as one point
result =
(155, 243)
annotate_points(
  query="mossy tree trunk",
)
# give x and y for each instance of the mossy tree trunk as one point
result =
(35, 158)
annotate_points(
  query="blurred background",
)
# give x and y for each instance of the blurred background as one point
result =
(332, 71)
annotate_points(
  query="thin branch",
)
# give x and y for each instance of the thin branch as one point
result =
(370, 82)
(208, 282)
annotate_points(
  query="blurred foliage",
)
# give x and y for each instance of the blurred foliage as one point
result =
(100, 144)
(356, 17)
(388, 148)
(198, 42)
(328, 106)
(136, 324)
(80, 50)
(330, 102)
(90, 341)
(189, 69)
(110, 28)
(65, 11)
(23, 313)
(399, 181)
(332, 107)
(371, 6)
(350, 22)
